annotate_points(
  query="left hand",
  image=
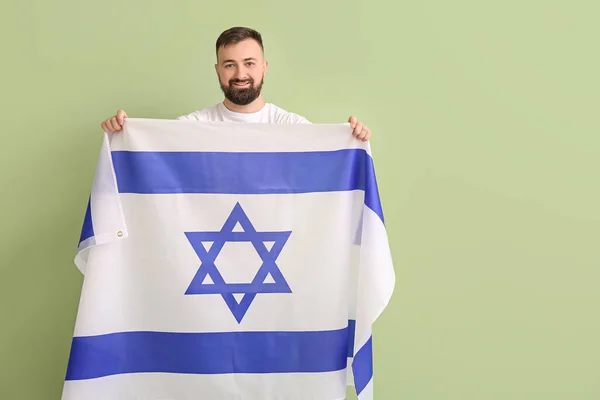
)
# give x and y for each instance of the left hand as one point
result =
(359, 130)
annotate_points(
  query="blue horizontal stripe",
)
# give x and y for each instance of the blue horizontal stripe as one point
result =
(362, 366)
(207, 353)
(372, 199)
(247, 173)
(87, 230)
(351, 333)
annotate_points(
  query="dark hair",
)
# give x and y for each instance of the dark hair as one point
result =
(237, 34)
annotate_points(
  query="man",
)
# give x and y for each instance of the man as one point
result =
(241, 70)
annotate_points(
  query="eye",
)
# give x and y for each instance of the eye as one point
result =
(250, 64)
(228, 65)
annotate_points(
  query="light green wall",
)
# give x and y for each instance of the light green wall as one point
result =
(486, 141)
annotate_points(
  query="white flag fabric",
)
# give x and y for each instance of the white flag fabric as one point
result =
(229, 261)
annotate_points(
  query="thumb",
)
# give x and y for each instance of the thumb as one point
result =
(352, 121)
(121, 115)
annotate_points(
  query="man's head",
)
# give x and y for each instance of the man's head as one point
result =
(240, 66)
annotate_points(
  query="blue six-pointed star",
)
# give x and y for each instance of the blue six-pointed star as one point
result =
(218, 284)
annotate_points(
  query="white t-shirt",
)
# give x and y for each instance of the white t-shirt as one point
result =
(269, 114)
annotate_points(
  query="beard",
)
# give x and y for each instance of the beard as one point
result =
(244, 96)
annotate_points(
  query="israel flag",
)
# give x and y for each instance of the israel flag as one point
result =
(229, 261)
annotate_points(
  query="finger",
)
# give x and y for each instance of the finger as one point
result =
(107, 126)
(364, 134)
(115, 125)
(121, 115)
(361, 134)
(358, 128)
(352, 121)
(104, 127)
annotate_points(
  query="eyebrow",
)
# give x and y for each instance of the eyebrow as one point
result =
(245, 59)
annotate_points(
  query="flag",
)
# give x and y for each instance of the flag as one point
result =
(229, 261)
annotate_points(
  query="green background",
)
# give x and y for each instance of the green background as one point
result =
(485, 124)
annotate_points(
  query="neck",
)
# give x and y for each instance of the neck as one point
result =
(253, 107)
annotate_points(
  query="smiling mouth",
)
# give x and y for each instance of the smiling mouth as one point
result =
(241, 84)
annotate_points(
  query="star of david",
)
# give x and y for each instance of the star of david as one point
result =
(209, 268)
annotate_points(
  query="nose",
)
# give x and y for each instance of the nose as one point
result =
(240, 73)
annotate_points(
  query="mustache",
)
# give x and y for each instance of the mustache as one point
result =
(250, 80)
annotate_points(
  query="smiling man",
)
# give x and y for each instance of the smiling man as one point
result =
(241, 69)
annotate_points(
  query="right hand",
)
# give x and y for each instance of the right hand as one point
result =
(114, 123)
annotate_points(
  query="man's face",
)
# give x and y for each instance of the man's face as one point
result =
(241, 69)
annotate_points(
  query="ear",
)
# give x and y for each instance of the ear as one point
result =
(266, 65)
